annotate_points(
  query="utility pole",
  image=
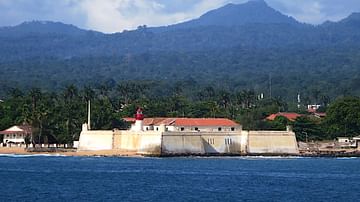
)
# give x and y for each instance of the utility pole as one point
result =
(270, 86)
(88, 122)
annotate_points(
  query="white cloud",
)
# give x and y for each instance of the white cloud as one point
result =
(316, 11)
(117, 15)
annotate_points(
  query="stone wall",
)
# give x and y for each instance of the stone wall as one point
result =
(159, 142)
(96, 140)
(202, 143)
(272, 142)
(148, 142)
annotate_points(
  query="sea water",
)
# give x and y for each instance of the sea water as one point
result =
(58, 178)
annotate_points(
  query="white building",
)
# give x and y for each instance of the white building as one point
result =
(16, 134)
(187, 124)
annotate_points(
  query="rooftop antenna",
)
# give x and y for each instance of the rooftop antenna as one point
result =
(89, 115)
(299, 100)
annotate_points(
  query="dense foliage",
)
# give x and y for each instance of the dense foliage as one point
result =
(344, 117)
(57, 117)
(216, 66)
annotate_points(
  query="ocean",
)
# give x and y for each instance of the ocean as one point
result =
(58, 178)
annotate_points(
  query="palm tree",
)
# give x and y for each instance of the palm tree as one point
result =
(88, 93)
(246, 98)
(72, 106)
(35, 120)
(224, 99)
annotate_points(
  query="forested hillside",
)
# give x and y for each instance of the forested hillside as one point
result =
(236, 47)
(218, 65)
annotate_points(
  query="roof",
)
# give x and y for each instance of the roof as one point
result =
(152, 121)
(187, 121)
(342, 138)
(17, 130)
(204, 122)
(289, 116)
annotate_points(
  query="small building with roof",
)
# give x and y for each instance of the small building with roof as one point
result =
(188, 124)
(288, 115)
(16, 134)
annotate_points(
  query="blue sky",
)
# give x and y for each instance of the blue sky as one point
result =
(117, 15)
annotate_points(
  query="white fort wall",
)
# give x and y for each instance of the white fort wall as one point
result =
(96, 140)
(159, 142)
(203, 143)
(272, 142)
(139, 141)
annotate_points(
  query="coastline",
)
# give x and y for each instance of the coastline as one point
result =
(119, 153)
(22, 151)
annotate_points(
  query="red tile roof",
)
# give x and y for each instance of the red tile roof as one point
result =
(129, 119)
(151, 121)
(204, 122)
(289, 116)
(187, 121)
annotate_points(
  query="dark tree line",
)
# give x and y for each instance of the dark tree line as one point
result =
(58, 116)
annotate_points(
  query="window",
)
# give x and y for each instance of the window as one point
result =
(196, 128)
(147, 128)
(211, 140)
(219, 129)
(157, 128)
(228, 141)
(232, 129)
(182, 128)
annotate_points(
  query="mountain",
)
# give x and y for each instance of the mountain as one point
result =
(353, 19)
(46, 39)
(41, 28)
(236, 46)
(250, 25)
(252, 12)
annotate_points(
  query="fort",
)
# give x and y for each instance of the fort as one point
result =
(188, 136)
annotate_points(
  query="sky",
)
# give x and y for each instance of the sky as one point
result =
(111, 16)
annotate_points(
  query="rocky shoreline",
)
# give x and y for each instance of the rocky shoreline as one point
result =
(117, 153)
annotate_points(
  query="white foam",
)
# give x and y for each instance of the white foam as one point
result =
(29, 155)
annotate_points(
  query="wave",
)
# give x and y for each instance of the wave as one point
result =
(30, 155)
(354, 157)
(239, 157)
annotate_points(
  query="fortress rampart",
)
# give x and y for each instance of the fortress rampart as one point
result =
(185, 143)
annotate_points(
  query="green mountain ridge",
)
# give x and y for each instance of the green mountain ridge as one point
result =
(222, 46)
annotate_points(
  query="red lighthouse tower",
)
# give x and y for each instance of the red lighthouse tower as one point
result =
(139, 115)
(139, 118)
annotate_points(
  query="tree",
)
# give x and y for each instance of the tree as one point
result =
(307, 129)
(343, 117)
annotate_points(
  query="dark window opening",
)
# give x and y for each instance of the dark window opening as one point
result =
(219, 129)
